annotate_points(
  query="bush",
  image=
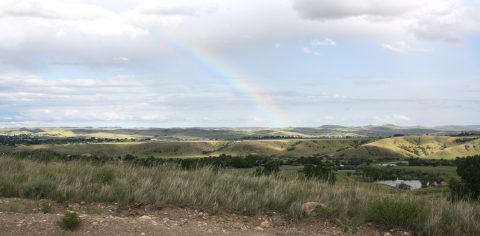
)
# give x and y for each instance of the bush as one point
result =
(70, 221)
(319, 172)
(270, 167)
(397, 212)
(457, 190)
(46, 207)
(468, 170)
(38, 188)
(404, 186)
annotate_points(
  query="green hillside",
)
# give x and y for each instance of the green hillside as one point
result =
(421, 146)
(275, 147)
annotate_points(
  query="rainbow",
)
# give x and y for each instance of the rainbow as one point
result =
(254, 94)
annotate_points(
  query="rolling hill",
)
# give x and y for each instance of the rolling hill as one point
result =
(275, 147)
(238, 133)
(421, 146)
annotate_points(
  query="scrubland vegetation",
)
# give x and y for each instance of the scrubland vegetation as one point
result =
(251, 176)
(237, 190)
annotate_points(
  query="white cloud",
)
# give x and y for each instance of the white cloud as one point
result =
(121, 59)
(315, 44)
(310, 51)
(323, 42)
(53, 10)
(92, 40)
(400, 46)
(124, 100)
(438, 20)
(30, 98)
(91, 33)
(306, 50)
(393, 119)
(174, 8)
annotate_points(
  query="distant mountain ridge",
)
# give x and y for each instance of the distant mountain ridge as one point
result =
(198, 133)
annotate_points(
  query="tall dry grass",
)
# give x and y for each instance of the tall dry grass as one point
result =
(234, 190)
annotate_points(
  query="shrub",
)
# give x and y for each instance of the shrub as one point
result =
(38, 188)
(46, 207)
(404, 186)
(397, 212)
(458, 190)
(270, 167)
(70, 221)
(319, 172)
(468, 170)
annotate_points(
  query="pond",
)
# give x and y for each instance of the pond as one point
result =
(414, 184)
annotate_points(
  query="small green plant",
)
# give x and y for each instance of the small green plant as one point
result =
(46, 207)
(349, 224)
(70, 221)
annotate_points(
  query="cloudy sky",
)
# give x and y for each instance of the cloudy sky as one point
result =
(239, 63)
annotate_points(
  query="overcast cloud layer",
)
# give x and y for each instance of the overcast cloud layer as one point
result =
(312, 62)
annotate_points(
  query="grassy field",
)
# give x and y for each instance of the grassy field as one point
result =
(348, 202)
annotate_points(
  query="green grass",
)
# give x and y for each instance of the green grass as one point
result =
(239, 190)
(402, 212)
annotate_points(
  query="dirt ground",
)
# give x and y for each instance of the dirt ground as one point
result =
(24, 217)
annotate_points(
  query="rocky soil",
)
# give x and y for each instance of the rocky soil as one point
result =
(24, 217)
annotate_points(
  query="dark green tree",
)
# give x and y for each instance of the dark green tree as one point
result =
(469, 170)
